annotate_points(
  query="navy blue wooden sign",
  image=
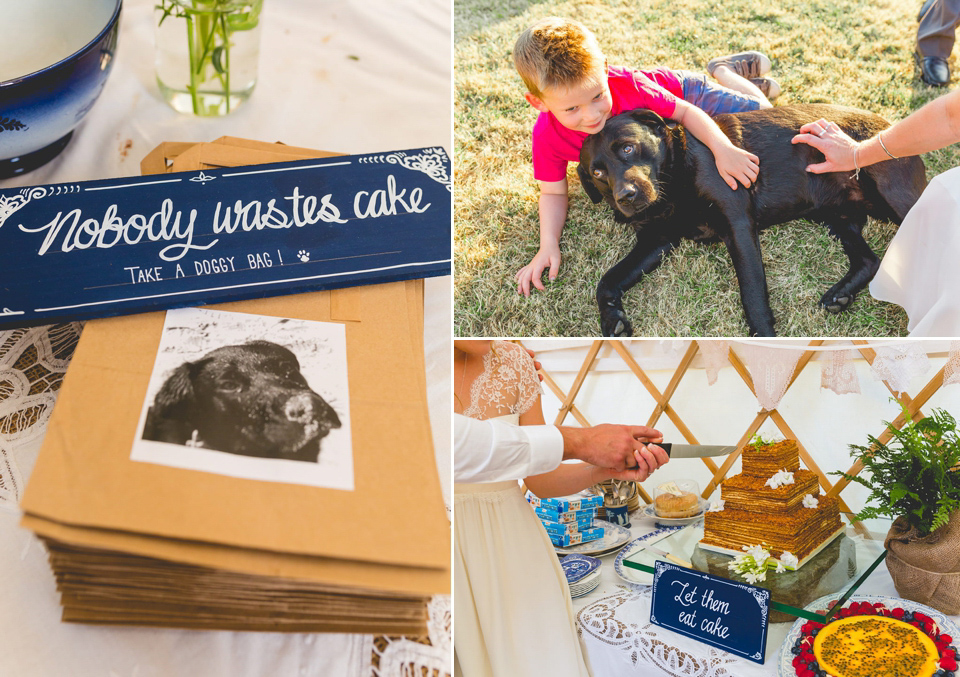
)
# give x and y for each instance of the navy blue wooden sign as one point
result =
(726, 614)
(99, 248)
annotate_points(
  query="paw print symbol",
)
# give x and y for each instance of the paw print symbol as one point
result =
(303, 255)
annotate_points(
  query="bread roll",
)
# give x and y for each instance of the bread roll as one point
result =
(674, 506)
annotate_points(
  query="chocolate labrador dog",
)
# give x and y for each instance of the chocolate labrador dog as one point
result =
(664, 183)
(248, 399)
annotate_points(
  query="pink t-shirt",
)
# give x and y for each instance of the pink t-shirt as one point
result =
(554, 145)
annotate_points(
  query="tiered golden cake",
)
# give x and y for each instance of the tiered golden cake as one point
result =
(755, 513)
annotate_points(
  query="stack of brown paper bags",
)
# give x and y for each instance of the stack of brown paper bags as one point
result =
(143, 543)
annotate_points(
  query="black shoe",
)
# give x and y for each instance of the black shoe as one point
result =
(933, 70)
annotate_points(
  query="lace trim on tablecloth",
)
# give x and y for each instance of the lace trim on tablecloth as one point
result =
(642, 645)
(430, 656)
(508, 384)
(32, 364)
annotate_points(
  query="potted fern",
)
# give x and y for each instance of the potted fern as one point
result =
(915, 479)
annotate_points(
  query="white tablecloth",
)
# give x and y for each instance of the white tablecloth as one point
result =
(620, 641)
(338, 75)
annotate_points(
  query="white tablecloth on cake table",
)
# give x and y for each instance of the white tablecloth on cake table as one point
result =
(337, 75)
(620, 641)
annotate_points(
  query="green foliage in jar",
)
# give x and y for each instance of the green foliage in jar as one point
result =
(210, 29)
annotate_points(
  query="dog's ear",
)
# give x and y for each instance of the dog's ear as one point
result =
(588, 186)
(176, 390)
(645, 116)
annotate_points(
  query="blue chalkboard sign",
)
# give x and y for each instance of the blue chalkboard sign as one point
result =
(99, 248)
(726, 614)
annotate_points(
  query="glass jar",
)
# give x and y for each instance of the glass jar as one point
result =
(207, 53)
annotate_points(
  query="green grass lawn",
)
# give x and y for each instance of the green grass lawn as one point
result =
(852, 52)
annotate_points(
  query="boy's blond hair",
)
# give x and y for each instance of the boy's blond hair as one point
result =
(557, 53)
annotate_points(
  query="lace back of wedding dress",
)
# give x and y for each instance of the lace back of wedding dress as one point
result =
(508, 384)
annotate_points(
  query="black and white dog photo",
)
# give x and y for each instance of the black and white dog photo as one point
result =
(248, 399)
(250, 396)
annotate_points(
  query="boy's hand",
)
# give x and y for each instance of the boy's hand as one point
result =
(737, 165)
(547, 257)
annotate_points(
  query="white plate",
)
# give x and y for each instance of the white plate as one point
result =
(614, 536)
(580, 592)
(636, 576)
(785, 664)
(585, 585)
(649, 511)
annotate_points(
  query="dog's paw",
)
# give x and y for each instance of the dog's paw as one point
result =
(836, 302)
(614, 322)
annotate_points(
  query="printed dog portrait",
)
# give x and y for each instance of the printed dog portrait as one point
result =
(249, 399)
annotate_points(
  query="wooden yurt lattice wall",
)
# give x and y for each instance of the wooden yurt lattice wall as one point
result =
(683, 419)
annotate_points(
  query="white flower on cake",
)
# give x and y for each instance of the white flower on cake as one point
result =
(756, 561)
(789, 560)
(757, 552)
(810, 501)
(716, 506)
(780, 479)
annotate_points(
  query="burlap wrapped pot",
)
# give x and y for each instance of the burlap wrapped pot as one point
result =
(926, 570)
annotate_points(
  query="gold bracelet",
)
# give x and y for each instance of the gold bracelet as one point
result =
(880, 139)
(856, 174)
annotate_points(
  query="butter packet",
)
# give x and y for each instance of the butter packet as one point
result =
(576, 539)
(549, 515)
(565, 503)
(557, 529)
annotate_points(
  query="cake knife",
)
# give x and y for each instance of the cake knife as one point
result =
(695, 450)
(672, 558)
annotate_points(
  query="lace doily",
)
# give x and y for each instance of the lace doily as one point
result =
(646, 644)
(32, 365)
(839, 374)
(507, 385)
(771, 369)
(417, 657)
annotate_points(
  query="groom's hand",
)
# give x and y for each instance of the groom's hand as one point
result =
(618, 447)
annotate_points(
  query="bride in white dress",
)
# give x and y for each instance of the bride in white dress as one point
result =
(919, 270)
(512, 605)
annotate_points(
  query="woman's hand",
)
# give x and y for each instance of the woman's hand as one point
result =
(649, 458)
(838, 148)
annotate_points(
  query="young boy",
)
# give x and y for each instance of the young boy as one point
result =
(569, 82)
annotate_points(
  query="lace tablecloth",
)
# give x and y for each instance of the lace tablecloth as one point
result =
(338, 75)
(620, 641)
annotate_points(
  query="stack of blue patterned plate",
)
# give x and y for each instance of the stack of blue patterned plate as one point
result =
(583, 573)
